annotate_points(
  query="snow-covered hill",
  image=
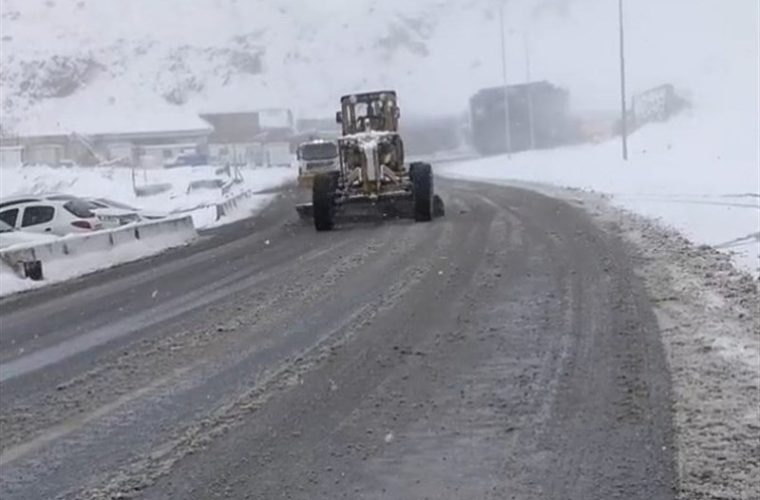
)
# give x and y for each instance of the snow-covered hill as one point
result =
(222, 53)
(66, 56)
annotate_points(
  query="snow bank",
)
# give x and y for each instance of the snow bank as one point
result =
(117, 184)
(704, 189)
(707, 312)
(76, 255)
(95, 251)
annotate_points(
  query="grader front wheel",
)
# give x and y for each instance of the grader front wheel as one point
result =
(323, 200)
(422, 189)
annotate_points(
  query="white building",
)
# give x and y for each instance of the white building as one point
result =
(11, 156)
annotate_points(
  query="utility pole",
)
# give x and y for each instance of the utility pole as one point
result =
(530, 91)
(624, 112)
(507, 125)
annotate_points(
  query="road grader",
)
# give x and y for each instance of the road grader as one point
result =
(373, 179)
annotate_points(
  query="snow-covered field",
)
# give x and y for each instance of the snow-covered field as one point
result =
(699, 172)
(118, 184)
(708, 191)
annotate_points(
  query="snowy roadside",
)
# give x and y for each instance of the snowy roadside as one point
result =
(709, 317)
(116, 183)
(180, 195)
(710, 323)
(80, 254)
(729, 221)
(681, 173)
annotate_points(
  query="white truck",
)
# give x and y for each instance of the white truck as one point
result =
(314, 157)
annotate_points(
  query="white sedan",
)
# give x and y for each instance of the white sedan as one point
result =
(10, 237)
(55, 213)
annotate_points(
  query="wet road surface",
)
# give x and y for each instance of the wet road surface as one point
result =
(504, 351)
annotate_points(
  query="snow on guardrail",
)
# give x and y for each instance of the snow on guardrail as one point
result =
(30, 266)
(228, 206)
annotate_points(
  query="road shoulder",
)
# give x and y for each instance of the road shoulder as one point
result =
(709, 318)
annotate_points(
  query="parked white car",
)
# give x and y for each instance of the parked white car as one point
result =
(114, 214)
(56, 214)
(10, 236)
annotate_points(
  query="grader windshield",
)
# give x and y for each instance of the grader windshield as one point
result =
(318, 150)
(372, 111)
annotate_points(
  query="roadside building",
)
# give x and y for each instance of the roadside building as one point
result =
(146, 139)
(255, 138)
(234, 139)
(11, 156)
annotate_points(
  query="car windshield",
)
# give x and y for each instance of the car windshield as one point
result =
(5, 228)
(323, 151)
(79, 208)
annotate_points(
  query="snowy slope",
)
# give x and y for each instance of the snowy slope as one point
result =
(669, 177)
(212, 53)
(66, 56)
(699, 172)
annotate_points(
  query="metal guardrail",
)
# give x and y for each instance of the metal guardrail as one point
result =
(29, 261)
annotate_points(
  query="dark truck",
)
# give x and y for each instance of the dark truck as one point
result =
(541, 103)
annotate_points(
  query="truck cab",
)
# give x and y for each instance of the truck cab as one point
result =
(314, 157)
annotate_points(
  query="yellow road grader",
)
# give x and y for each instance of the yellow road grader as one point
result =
(373, 179)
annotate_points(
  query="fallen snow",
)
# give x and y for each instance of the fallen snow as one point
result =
(85, 262)
(116, 183)
(699, 172)
(247, 207)
(685, 173)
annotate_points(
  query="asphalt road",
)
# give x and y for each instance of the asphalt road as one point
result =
(505, 351)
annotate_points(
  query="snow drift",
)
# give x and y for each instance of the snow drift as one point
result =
(80, 254)
(117, 183)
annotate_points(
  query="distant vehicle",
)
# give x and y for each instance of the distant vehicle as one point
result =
(187, 160)
(314, 157)
(114, 214)
(59, 214)
(278, 154)
(538, 118)
(10, 236)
